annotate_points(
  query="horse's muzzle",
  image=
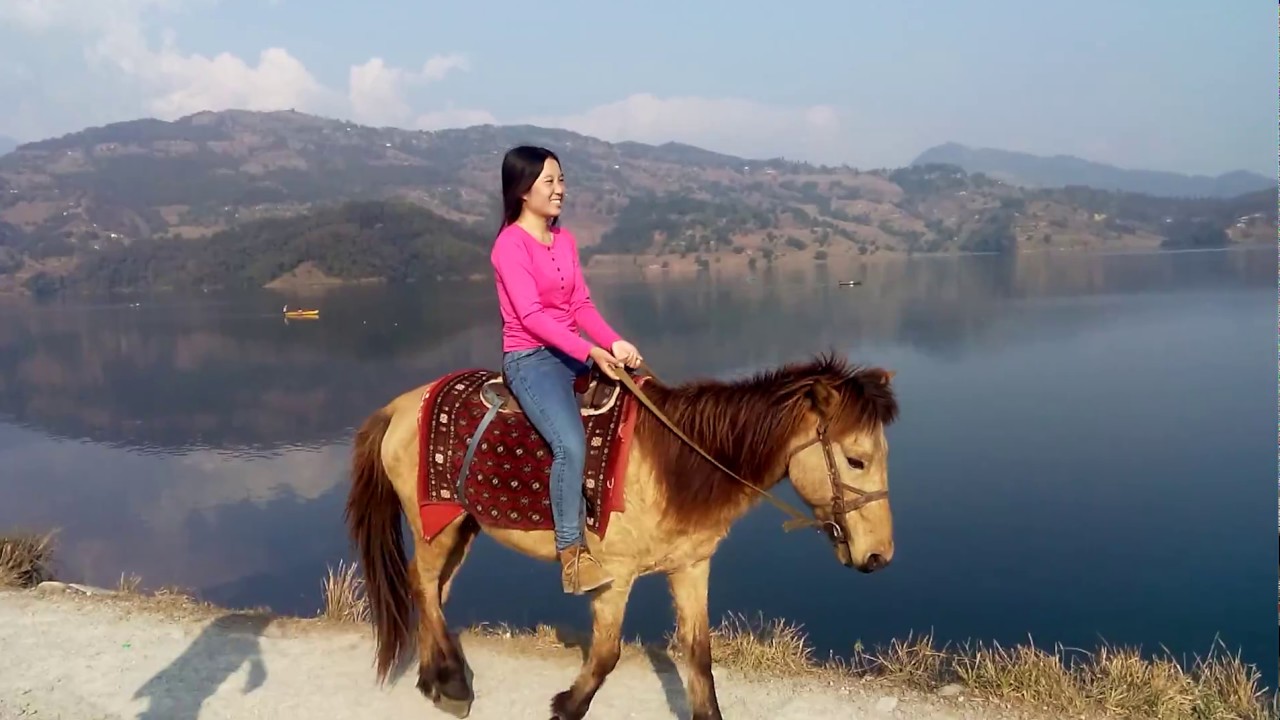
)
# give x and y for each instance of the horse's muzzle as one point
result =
(875, 561)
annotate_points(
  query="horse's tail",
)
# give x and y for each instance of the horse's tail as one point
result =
(373, 521)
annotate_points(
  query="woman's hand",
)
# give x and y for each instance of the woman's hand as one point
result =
(627, 354)
(605, 361)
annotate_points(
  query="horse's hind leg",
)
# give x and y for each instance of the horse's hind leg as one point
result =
(608, 605)
(442, 674)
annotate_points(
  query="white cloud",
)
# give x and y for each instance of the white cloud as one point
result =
(436, 68)
(170, 83)
(377, 91)
(196, 83)
(178, 84)
(83, 15)
(146, 72)
(31, 14)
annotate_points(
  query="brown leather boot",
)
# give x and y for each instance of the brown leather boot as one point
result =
(580, 572)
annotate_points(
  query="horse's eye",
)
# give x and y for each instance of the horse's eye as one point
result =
(855, 463)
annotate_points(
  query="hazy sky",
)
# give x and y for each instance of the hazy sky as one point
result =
(1186, 85)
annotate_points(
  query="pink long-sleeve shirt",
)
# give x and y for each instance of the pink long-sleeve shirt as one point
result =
(542, 295)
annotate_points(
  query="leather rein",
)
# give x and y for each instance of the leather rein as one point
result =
(835, 527)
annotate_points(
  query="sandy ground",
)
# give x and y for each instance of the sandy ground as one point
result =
(67, 655)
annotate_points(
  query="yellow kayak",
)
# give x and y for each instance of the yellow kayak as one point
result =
(301, 313)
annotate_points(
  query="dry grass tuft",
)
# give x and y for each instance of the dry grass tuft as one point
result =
(1025, 672)
(176, 593)
(762, 647)
(1117, 682)
(905, 661)
(344, 597)
(26, 559)
(131, 584)
(1113, 683)
(541, 636)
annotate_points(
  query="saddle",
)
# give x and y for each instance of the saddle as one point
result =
(593, 389)
(478, 453)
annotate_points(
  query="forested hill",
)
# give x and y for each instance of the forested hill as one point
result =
(359, 241)
(250, 198)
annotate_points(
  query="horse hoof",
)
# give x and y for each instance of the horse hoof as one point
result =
(560, 709)
(456, 708)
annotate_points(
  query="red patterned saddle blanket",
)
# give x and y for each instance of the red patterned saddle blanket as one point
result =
(507, 482)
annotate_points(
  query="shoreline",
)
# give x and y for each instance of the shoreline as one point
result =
(118, 656)
(649, 267)
(762, 668)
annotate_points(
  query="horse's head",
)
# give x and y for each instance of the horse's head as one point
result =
(839, 460)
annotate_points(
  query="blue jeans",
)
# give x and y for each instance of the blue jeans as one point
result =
(542, 381)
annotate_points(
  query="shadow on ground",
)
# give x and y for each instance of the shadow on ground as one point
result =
(664, 667)
(224, 646)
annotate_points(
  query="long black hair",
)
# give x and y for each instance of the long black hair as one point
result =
(521, 167)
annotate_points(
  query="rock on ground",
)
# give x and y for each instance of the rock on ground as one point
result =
(69, 656)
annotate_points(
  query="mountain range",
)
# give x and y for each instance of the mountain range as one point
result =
(239, 198)
(1019, 168)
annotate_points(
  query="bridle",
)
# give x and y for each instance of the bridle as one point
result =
(834, 528)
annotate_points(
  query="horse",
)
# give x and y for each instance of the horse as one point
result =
(701, 456)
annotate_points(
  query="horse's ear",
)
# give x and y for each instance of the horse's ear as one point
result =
(823, 397)
(880, 376)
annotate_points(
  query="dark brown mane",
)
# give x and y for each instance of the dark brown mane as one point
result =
(746, 424)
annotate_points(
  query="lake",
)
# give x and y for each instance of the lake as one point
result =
(1084, 452)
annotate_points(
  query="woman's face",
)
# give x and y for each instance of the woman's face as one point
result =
(547, 194)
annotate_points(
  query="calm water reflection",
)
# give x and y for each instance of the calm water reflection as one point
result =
(1084, 452)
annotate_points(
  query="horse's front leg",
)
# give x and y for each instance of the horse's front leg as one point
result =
(608, 606)
(693, 629)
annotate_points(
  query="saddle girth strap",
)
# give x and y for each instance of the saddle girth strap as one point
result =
(495, 404)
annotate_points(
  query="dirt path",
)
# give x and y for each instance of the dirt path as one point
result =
(78, 657)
